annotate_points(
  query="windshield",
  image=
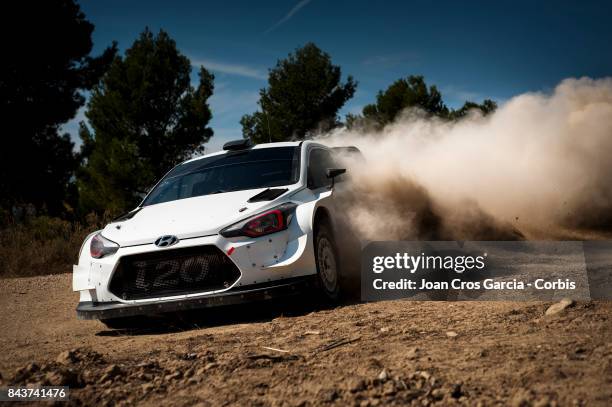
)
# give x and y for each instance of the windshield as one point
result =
(232, 171)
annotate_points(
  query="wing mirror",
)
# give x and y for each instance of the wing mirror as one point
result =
(332, 173)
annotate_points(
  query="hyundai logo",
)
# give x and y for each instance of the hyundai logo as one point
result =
(167, 240)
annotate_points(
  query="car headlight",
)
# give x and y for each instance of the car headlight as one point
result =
(83, 244)
(101, 246)
(270, 221)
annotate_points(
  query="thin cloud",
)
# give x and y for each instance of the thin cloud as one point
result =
(229, 104)
(458, 95)
(288, 16)
(231, 69)
(455, 96)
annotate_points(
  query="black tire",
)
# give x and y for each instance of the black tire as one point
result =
(327, 262)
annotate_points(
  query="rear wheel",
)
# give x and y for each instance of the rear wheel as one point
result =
(328, 264)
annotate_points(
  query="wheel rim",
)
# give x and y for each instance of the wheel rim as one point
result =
(327, 264)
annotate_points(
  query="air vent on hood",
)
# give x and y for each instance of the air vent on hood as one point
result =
(268, 194)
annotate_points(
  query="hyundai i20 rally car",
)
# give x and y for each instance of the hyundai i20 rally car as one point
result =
(243, 224)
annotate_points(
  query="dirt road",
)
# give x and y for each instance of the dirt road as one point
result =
(398, 352)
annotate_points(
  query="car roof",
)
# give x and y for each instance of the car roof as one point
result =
(258, 146)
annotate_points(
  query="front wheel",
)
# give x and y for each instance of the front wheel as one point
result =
(328, 264)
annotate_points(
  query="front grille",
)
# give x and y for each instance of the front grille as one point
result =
(173, 272)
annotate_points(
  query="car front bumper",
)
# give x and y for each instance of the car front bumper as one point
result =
(271, 258)
(237, 295)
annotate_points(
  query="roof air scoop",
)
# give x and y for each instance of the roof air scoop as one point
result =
(236, 145)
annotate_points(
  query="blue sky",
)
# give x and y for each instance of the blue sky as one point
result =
(470, 50)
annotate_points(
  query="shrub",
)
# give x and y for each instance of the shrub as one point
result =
(42, 245)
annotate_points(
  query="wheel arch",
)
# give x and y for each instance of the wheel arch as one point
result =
(322, 216)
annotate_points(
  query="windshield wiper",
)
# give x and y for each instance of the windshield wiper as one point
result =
(126, 216)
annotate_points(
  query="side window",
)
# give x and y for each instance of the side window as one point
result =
(318, 163)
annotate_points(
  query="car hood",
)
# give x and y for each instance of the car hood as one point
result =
(186, 218)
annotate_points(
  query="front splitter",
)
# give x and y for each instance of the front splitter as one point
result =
(241, 295)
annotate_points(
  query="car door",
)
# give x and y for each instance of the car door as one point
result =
(319, 161)
(337, 200)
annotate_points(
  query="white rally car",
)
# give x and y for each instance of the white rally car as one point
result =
(243, 224)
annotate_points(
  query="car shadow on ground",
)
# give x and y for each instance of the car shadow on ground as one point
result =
(263, 311)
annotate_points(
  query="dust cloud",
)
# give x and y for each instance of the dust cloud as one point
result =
(539, 167)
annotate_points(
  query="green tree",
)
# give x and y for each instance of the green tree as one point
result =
(304, 95)
(145, 118)
(402, 94)
(411, 92)
(488, 106)
(46, 66)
